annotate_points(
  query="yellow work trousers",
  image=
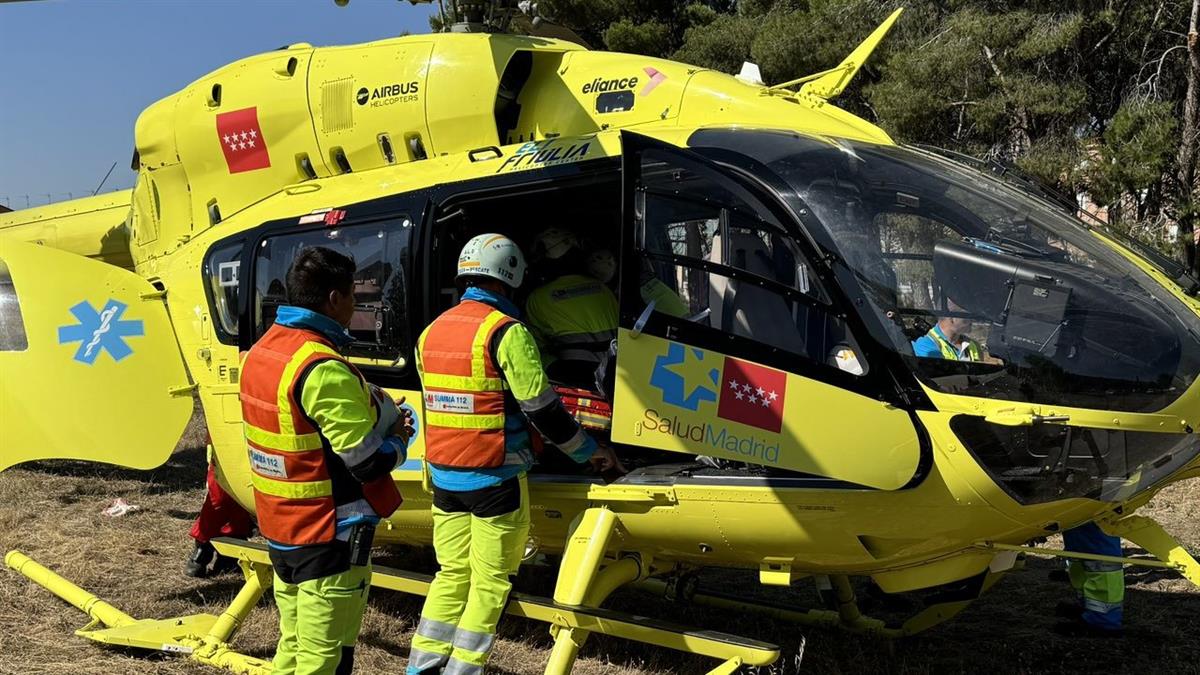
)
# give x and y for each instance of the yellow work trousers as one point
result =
(467, 597)
(318, 620)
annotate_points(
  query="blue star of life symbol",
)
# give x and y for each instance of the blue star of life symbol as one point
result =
(673, 385)
(99, 331)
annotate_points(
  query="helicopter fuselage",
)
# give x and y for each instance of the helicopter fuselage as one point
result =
(419, 141)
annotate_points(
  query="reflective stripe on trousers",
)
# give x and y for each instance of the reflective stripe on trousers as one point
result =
(477, 556)
(1100, 585)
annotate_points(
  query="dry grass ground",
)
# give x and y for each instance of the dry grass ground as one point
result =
(52, 512)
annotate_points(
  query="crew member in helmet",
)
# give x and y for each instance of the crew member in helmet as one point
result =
(483, 384)
(573, 314)
(603, 265)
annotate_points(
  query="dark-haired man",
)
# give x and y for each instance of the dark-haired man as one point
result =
(322, 445)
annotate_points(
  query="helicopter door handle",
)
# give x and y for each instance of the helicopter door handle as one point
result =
(480, 154)
(641, 321)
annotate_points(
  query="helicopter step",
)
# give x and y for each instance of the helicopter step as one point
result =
(205, 638)
(576, 620)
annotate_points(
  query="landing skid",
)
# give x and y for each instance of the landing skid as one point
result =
(1141, 530)
(846, 617)
(205, 638)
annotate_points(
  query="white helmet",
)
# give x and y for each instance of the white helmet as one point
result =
(553, 243)
(602, 265)
(495, 256)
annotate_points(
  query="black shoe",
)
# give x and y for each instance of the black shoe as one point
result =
(1083, 629)
(1069, 610)
(1061, 576)
(197, 564)
(224, 565)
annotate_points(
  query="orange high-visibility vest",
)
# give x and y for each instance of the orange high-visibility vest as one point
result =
(463, 387)
(293, 487)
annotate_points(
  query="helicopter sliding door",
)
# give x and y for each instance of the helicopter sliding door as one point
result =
(90, 367)
(730, 345)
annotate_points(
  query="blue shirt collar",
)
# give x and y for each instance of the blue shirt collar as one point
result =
(494, 299)
(299, 317)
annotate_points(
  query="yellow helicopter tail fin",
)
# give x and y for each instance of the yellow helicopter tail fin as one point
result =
(90, 367)
(833, 81)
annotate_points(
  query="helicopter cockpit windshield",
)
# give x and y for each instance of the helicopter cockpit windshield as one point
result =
(984, 290)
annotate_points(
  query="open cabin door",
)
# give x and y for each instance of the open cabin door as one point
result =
(89, 364)
(729, 343)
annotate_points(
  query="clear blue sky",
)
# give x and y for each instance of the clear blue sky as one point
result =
(75, 74)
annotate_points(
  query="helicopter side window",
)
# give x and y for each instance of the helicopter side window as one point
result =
(222, 270)
(12, 327)
(380, 251)
(711, 257)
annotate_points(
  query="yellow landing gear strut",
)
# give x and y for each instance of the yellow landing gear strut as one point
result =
(205, 638)
(1143, 531)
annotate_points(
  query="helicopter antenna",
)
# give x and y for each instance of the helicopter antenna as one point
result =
(102, 180)
(442, 12)
(829, 83)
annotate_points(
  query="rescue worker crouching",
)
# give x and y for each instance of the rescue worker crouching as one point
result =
(482, 379)
(573, 315)
(322, 445)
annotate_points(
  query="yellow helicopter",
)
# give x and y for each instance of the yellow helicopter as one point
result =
(782, 423)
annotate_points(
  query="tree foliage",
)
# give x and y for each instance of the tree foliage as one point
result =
(1088, 95)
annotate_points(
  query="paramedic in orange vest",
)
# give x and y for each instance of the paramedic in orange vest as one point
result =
(322, 446)
(484, 387)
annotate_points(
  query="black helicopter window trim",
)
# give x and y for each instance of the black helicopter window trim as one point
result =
(878, 382)
(391, 209)
(223, 336)
(901, 387)
(725, 216)
(447, 197)
(753, 218)
(274, 233)
(741, 275)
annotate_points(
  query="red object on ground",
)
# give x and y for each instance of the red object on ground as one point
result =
(220, 516)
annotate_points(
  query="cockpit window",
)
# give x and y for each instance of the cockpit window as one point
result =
(720, 260)
(985, 290)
